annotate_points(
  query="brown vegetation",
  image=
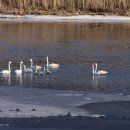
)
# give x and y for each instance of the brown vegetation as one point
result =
(65, 7)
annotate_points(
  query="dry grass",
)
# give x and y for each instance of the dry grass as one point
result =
(64, 6)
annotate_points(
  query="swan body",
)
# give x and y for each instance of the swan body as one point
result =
(20, 70)
(26, 70)
(52, 65)
(38, 67)
(7, 71)
(37, 72)
(100, 72)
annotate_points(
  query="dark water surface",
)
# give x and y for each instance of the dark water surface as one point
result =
(75, 46)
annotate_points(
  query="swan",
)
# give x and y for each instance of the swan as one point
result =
(37, 72)
(52, 65)
(26, 70)
(100, 72)
(19, 71)
(7, 71)
(33, 66)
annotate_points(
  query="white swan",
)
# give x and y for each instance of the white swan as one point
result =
(100, 72)
(26, 70)
(33, 66)
(7, 71)
(52, 65)
(20, 70)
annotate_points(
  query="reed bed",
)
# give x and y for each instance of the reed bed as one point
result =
(67, 6)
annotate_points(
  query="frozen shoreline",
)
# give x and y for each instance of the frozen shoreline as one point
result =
(49, 102)
(115, 119)
(53, 18)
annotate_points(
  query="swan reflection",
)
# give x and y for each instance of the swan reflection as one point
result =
(7, 77)
(28, 78)
(96, 80)
(46, 77)
(19, 78)
(25, 78)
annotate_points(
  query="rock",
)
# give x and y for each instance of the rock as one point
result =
(33, 109)
(18, 110)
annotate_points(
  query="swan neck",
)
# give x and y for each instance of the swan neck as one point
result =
(95, 68)
(25, 67)
(36, 70)
(31, 63)
(9, 67)
(47, 61)
(44, 69)
(20, 66)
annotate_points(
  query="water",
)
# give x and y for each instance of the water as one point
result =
(75, 46)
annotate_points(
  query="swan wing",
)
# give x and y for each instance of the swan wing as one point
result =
(27, 70)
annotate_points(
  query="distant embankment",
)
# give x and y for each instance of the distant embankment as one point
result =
(65, 7)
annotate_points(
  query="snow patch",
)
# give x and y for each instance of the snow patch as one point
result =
(53, 18)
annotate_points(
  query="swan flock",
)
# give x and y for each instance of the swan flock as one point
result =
(45, 69)
(37, 70)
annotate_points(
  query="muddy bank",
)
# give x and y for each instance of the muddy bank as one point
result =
(61, 12)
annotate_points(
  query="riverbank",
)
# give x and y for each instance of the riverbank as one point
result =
(64, 7)
(26, 108)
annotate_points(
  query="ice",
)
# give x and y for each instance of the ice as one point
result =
(49, 102)
(53, 18)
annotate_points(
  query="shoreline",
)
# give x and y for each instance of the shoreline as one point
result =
(56, 18)
(78, 122)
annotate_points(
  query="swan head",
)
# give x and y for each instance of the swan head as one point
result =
(10, 62)
(95, 64)
(21, 62)
(30, 59)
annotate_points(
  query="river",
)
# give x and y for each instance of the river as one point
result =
(75, 46)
